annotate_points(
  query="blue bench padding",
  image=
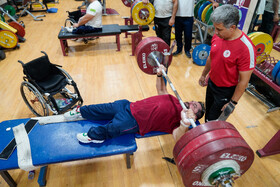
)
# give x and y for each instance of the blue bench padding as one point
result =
(55, 143)
(150, 134)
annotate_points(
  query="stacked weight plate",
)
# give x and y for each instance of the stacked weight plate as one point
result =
(209, 149)
(141, 13)
(263, 43)
(155, 46)
(276, 73)
(203, 10)
(200, 54)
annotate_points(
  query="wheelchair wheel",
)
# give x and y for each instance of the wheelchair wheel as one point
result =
(69, 22)
(33, 99)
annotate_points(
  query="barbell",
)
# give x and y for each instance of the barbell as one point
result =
(210, 154)
(150, 54)
(127, 3)
(142, 14)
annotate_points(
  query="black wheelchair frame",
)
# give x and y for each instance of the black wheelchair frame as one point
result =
(44, 84)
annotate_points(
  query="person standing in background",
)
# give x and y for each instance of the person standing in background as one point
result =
(184, 23)
(270, 16)
(230, 64)
(164, 17)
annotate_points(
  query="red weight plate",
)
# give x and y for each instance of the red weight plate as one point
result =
(197, 131)
(260, 48)
(192, 167)
(127, 3)
(18, 27)
(205, 139)
(145, 47)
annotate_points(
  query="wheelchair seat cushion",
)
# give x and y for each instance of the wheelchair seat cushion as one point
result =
(53, 83)
(38, 69)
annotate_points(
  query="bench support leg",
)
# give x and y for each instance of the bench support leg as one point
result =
(275, 32)
(128, 161)
(128, 21)
(42, 176)
(7, 177)
(276, 46)
(118, 42)
(64, 46)
(135, 39)
(272, 147)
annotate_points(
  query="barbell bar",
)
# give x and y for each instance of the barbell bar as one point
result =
(153, 59)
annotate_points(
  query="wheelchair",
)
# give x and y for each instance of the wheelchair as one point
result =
(45, 85)
(73, 17)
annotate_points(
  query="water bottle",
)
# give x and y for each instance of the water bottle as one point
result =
(61, 103)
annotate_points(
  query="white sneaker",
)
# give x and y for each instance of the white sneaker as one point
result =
(69, 29)
(82, 137)
(73, 114)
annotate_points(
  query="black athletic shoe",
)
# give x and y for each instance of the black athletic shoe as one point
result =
(176, 53)
(188, 54)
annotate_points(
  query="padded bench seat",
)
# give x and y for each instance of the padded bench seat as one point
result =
(126, 28)
(158, 133)
(107, 30)
(56, 143)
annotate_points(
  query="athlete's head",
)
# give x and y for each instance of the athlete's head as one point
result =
(197, 107)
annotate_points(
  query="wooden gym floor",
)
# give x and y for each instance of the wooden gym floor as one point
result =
(104, 75)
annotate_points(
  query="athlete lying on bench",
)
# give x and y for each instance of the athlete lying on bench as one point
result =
(158, 113)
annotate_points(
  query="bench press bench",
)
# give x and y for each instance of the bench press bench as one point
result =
(55, 143)
(107, 30)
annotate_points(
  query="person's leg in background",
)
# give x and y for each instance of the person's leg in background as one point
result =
(163, 30)
(157, 27)
(166, 31)
(178, 35)
(187, 25)
(267, 23)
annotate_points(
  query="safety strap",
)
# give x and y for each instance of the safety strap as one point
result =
(55, 119)
(23, 148)
(8, 150)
